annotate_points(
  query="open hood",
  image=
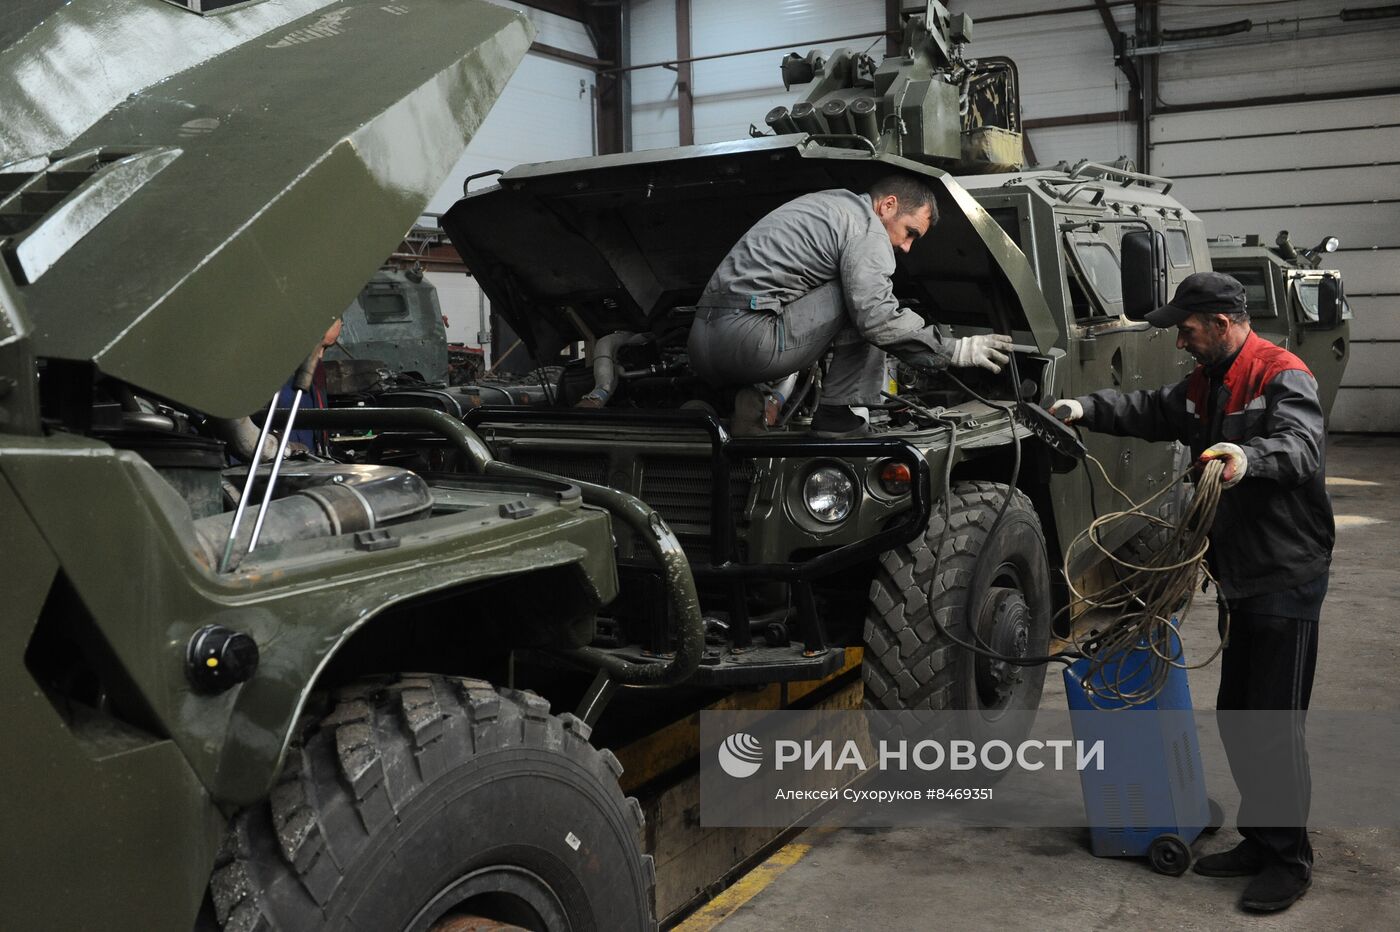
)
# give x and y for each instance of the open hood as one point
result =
(188, 201)
(614, 241)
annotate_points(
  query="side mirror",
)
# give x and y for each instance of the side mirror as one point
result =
(1144, 273)
(1329, 303)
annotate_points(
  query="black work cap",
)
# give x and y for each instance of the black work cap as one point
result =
(1201, 293)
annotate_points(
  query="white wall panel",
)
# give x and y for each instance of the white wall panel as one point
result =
(1282, 68)
(1372, 364)
(1366, 410)
(1369, 271)
(545, 112)
(458, 295)
(731, 93)
(1315, 186)
(1375, 317)
(1344, 146)
(1065, 62)
(1359, 61)
(1358, 225)
(540, 115)
(1305, 116)
(655, 124)
(1098, 142)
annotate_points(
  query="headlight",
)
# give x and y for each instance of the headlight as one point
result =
(828, 494)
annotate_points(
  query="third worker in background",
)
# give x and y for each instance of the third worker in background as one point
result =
(814, 275)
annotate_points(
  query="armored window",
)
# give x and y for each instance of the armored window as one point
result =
(1099, 272)
(1178, 249)
(1257, 294)
(1009, 219)
(384, 306)
(1306, 291)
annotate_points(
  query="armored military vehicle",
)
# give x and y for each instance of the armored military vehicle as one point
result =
(947, 572)
(392, 336)
(238, 697)
(1292, 300)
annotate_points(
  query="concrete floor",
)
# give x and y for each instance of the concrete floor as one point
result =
(1046, 878)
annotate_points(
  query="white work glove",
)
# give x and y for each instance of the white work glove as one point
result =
(1236, 463)
(1067, 410)
(988, 350)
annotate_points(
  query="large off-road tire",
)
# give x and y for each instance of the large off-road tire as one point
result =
(420, 798)
(910, 666)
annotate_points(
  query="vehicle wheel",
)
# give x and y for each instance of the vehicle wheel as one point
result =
(909, 665)
(1168, 854)
(419, 800)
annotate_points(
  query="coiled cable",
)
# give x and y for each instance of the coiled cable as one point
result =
(1130, 659)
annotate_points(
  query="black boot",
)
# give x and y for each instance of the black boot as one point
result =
(1243, 860)
(1277, 887)
(838, 422)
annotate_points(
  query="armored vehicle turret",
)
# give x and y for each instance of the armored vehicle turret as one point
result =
(931, 103)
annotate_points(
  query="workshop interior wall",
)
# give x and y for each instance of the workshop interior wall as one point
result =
(545, 113)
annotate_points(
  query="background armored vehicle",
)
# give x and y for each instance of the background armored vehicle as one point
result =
(1293, 300)
(277, 704)
(393, 335)
(801, 546)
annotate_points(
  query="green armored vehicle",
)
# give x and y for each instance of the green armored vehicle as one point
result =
(392, 335)
(803, 546)
(236, 698)
(1292, 300)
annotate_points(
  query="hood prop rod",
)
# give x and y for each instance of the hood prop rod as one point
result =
(302, 383)
(248, 484)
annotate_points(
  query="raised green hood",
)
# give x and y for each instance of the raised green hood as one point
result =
(615, 240)
(188, 201)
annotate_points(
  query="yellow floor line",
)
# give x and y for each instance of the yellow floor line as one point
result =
(747, 887)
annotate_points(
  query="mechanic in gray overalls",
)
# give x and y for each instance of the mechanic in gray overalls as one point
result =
(814, 275)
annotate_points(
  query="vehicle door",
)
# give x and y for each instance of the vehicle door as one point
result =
(1113, 352)
(1322, 344)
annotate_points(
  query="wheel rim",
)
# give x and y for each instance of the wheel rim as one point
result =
(499, 897)
(1170, 856)
(1004, 624)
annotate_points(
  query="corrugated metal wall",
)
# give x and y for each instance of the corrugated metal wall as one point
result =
(545, 112)
(1311, 167)
(1074, 101)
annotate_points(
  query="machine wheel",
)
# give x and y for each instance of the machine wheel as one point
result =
(1217, 818)
(1170, 855)
(909, 665)
(420, 800)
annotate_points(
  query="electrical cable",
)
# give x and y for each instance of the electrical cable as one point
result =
(1148, 597)
(1145, 600)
